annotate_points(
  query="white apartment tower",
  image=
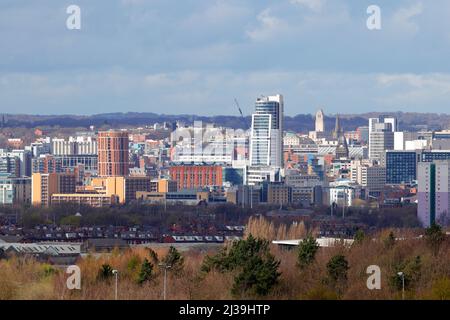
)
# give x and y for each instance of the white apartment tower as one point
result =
(266, 141)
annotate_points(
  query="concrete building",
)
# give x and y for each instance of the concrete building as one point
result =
(95, 200)
(258, 175)
(434, 193)
(125, 188)
(186, 197)
(81, 145)
(370, 177)
(10, 165)
(380, 141)
(279, 193)
(43, 186)
(15, 191)
(343, 193)
(113, 153)
(24, 159)
(47, 164)
(381, 137)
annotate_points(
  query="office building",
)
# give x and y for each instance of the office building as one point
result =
(370, 177)
(47, 164)
(113, 154)
(81, 145)
(10, 166)
(45, 185)
(434, 155)
(15, 191)
(24, 160)
(196, 176)
(266, 141)
(401, 166)
(279, 193)
(381, 137)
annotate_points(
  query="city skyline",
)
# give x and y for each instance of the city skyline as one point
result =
(140, 56)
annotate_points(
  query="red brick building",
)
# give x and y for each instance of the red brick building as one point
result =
(192, 177)
(113, 154)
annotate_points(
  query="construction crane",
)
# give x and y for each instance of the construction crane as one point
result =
(240, 111)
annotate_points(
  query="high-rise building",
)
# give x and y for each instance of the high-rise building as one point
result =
(320, 121)
(113, 154)
(433, 192)
(80, 145)
(401, 166)
(15, 191)
(266, 142)
(9, 166)
(47, 164)
(384, 119)
(24, 160)
(381, 137)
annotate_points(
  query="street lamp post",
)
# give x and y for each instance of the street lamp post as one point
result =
(166, 267)
(402, 275)
(116, 275)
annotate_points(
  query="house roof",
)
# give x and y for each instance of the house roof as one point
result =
(42, 248)
(322, 242)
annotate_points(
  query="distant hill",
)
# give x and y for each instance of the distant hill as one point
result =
(298, 123)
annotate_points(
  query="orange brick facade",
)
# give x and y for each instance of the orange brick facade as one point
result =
(113, 155)
(192, 177)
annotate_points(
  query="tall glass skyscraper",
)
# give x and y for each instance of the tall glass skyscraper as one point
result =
(266, 144)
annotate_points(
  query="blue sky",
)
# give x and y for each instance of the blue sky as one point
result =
(196, 56)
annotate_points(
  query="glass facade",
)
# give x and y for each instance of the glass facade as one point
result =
(430, 156)
(401, 167)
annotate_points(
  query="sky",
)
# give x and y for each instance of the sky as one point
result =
(197, 56)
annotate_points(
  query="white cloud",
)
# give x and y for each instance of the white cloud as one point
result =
(269, 27)
(314, 5)
(211, 92)
(403, 18)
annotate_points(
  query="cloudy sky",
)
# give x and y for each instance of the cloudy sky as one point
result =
(196, 56)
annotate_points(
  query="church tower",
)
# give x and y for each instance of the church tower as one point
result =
(320, 121)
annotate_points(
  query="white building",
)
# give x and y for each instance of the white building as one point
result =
(257, 175)
(80, 145)
(381, 137)
(207, 144)
(266, 140)
(344, 193)
(320, 121)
